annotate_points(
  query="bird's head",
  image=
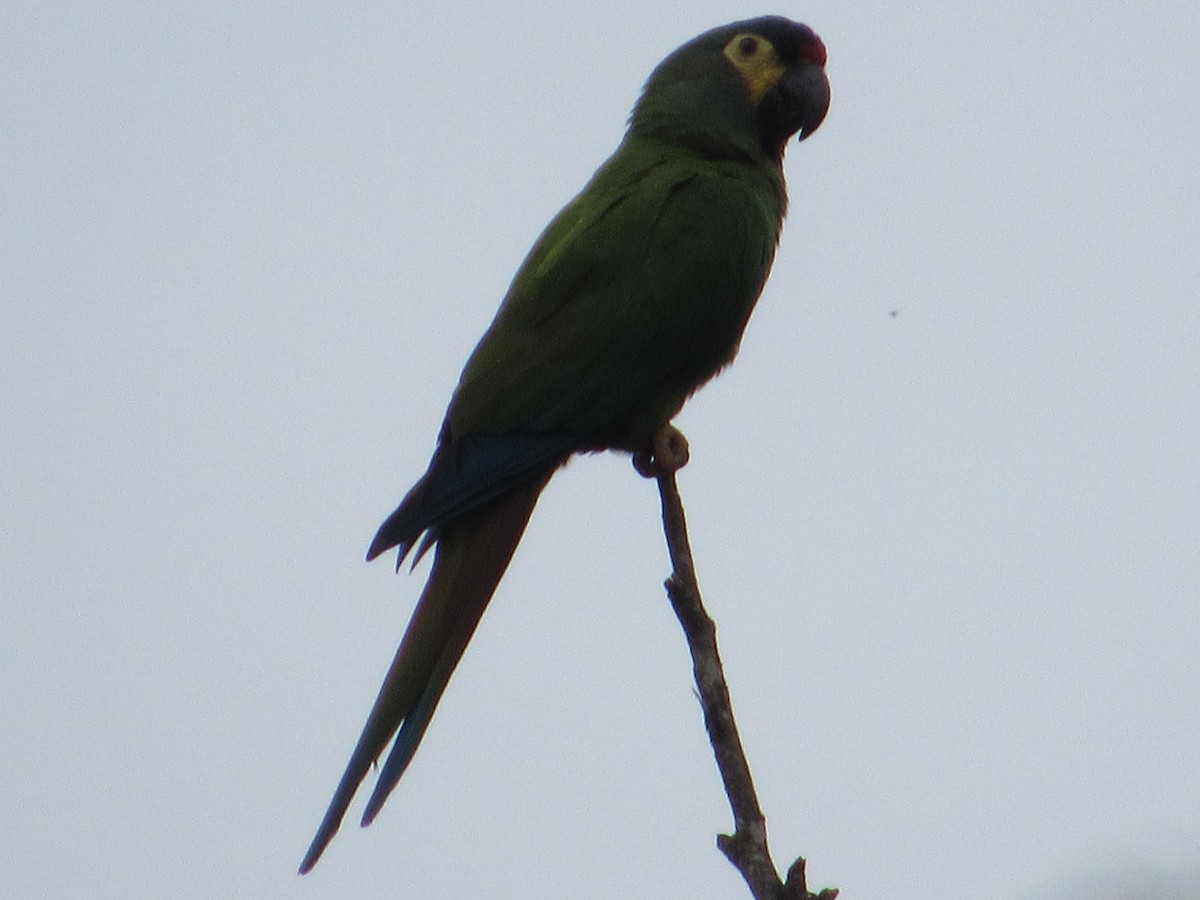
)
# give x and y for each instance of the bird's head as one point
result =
(752, 84)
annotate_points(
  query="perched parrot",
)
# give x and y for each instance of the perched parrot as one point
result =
(634, 296)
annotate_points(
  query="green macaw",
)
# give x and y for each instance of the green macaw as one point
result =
(635, 295)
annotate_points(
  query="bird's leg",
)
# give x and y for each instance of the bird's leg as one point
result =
(668, 453)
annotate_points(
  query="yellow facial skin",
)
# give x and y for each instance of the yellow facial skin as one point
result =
(757, 62)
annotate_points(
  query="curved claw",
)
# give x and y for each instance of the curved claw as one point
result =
(668, 453)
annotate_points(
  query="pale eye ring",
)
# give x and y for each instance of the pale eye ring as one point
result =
(748, 46)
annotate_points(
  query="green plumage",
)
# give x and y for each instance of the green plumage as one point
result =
(634, 296)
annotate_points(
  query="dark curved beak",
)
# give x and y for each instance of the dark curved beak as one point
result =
(804, 89)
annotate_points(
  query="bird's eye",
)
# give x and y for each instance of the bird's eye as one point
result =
(748, 46)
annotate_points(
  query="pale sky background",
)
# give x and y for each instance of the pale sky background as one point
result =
(954, 554)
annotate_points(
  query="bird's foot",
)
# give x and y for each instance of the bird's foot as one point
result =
(668, 453)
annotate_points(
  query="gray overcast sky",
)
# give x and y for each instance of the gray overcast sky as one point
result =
(953, 552)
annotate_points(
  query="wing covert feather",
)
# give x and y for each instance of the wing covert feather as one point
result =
(633, 297)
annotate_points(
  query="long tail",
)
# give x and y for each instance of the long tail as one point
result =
(472, 554)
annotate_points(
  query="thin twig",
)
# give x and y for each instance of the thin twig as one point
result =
(746, 848)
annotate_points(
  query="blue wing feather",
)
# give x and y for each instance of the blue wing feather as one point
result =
(462, 475)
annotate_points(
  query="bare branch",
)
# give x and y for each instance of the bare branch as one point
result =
(747, 847)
